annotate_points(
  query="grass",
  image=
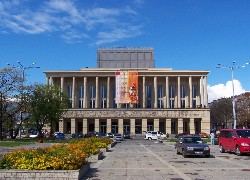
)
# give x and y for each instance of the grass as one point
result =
(20, 142)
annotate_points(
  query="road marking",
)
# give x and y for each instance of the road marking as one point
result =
(181, 174)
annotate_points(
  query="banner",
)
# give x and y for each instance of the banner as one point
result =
(133, 87)
(126, 87)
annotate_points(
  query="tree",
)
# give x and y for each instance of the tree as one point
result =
(9, 84)
(221, 113)
(48, 105)
(243, 110)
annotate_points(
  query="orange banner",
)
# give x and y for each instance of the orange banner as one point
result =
(127, 87)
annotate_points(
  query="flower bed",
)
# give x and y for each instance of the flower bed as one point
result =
(58, 157)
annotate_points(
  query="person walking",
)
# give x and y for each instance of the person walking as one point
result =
(212, 138)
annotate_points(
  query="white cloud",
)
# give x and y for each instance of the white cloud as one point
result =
(65, 16)
(224, 90)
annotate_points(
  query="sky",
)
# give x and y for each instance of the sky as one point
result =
(185, 35)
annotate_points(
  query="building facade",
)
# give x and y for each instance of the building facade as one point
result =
(133, 100)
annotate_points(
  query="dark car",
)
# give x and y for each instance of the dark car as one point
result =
(192, 146)
(181, 134)
(77, 135)
(126, 136)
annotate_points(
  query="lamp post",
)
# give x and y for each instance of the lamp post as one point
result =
(23, 68)
(232, 68)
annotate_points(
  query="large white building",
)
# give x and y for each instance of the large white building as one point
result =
(127, 94)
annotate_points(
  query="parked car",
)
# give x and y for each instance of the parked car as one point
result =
(192, 146)
(110, 135)
(93, 134)
(118, 137)
(126, 136)
(151, 135)
(60, 136)
(203, 135)
(77, 135)
(161, 134)
(181, 134)
(103, 135)
(235, 140)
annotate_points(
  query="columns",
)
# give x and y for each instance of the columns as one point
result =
(85, 93)
(190, 92)
(73, 92)
(166, 104)
(62, 84)
(97, 93)
(108, 93)
(180, 125)
(144, 125)
(73, 126)
(120, 126)
(143, 93)
(178, 92)
(205, 92)
(155, 92)
(201, 93)
(168, 126)
(108, 126)
(85, 126)
(191, 126)
(97, 125)
(132, 126)
(47, 81)
(156, 124)
(205, 124)
(61, 126)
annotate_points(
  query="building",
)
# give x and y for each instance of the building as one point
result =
(133, 98)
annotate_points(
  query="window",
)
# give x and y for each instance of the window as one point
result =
(92, 96)
(81, 96)
(171, 96)
(113, 98)
(70, 95)
(182, 96)
(160, 96)
(194, 89)
(148, 96)
(104, 96)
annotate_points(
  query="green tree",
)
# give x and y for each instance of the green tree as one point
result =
(221, 113)
(48, 105)
(10, 83)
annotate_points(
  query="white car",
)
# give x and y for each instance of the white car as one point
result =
(151, 135)
(161, 135)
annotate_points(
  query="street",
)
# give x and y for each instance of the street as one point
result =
(144, 159)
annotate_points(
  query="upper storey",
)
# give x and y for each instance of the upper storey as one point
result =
(125, 57)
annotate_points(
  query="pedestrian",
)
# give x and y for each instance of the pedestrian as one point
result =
(212, 138)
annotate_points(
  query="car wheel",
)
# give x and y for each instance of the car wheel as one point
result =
(177, 152)
(237, 151)
(184, 153)
(207, 156)
(222, 150)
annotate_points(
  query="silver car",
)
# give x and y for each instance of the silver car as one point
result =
(118, 137)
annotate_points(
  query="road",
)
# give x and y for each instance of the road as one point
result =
(139, 159)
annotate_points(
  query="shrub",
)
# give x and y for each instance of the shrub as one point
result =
(57, 157)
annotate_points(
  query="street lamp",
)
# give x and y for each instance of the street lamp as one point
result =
(232, 68)
(23, 68)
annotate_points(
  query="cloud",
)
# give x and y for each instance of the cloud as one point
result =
(70, 20)
(224, 90)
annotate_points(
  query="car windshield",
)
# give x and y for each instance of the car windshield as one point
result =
(154, 132)
(243, 133)
(192, 140)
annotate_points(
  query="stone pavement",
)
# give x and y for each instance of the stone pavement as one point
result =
(140, 159)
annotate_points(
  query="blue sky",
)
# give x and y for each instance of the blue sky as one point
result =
(185, 34)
